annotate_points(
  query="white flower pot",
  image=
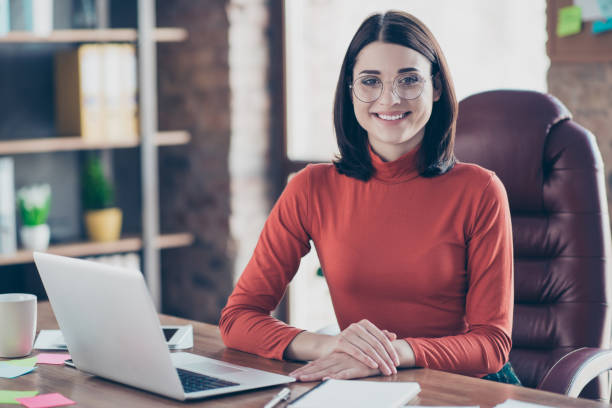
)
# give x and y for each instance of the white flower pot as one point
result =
(35, 238)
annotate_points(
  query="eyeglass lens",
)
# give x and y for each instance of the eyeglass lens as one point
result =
(369, 88)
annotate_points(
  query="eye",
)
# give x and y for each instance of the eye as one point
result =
(369, 82)
(409, 80)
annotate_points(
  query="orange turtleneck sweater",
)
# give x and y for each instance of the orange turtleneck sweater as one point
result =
(429, 259)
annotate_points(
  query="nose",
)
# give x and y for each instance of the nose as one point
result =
(388, 97)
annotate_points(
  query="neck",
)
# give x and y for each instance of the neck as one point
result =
(391, 152)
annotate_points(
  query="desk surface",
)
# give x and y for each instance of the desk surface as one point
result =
(438, 388)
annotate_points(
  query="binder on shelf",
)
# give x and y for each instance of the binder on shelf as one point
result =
(20, 15)
(96, 92)
(5, 17)
(120, 92)
(8, 232)
(78, 93)
(29, 15)
(42, 17)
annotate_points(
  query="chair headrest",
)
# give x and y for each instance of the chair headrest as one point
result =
(506, 131)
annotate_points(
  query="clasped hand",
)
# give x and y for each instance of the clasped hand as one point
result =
(361, 350)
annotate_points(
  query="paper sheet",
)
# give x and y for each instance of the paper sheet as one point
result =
(8, 396)
(46, 401)
(12, 371)
(590, 9)
(50, 340)
(54, 340)
(510, 403)
(605, 6)
(357, 394)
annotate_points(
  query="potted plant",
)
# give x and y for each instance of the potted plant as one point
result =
(102, 218)
(34, 203)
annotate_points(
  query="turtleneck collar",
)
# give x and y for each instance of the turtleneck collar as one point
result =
(402, 169)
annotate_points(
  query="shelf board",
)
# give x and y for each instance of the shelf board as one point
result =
(78, 249)
(94, 35)
(60, 144)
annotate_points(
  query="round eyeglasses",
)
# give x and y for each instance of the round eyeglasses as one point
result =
(368, 88)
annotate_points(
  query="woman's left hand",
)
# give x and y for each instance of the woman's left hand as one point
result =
(336, 365)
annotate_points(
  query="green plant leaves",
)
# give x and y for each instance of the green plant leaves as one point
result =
(97, 191)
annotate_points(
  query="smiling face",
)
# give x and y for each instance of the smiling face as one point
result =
(394, 125)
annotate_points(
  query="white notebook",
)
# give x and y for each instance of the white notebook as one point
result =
(357, 394)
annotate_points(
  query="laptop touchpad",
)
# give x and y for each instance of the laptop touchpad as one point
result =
(210, 368)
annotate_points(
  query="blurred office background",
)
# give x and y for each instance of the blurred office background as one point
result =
(243, 93)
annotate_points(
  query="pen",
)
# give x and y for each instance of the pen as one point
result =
(283, 395)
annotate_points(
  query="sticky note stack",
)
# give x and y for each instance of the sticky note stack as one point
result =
(45, 401)
(31, 399)
(10, 397)
(16, 368)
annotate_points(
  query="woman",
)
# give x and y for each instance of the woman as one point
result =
(416, 248)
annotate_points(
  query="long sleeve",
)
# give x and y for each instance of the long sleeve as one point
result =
(485, 347)
(245, 322)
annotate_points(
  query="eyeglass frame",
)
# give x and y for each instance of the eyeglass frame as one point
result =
(351, 86)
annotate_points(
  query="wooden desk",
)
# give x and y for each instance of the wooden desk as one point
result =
(438, 388)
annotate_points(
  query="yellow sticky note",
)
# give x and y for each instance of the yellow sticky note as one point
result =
(24, 362)
(569, 21)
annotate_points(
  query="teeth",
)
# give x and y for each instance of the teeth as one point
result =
(391, 117)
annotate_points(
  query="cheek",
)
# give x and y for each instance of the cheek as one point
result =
(361, 113)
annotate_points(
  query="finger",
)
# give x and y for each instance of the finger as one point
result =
(349, 373)
(307, 367)
(376, 351)
(301, 370)
(391, 336)
(315, 366)
(377, 347)
(384, 340)
(319, 374)
(356, 352)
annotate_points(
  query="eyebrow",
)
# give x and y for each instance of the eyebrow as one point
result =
(399, 71)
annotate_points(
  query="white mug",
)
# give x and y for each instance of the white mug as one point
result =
(17, 324)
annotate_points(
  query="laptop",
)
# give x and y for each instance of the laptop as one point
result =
(112, 330)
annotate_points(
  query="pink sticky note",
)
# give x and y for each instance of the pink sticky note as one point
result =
(52, 358)
(45, 401)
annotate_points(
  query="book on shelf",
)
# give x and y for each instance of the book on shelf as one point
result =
(95, 91)
(31, 15)
(20, 15)
(8, 231)
(5, 14)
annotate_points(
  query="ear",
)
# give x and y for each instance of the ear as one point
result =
(437, 87)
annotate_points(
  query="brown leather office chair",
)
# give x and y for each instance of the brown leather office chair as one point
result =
(553, 173)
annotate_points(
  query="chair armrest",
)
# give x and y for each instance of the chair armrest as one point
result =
(575, 370)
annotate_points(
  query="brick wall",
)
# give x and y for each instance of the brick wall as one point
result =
(220, 85)
(194, 94)
(586, 90)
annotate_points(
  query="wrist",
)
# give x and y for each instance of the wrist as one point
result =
(404, 352)
(307, 346)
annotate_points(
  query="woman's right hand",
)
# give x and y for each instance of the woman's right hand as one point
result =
(366, 343)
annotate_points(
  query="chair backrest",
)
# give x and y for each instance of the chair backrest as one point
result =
(553, 173)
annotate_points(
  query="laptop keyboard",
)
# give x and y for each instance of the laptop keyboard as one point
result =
(193, 382)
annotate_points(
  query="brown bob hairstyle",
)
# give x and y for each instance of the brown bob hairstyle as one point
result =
(436, 155)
